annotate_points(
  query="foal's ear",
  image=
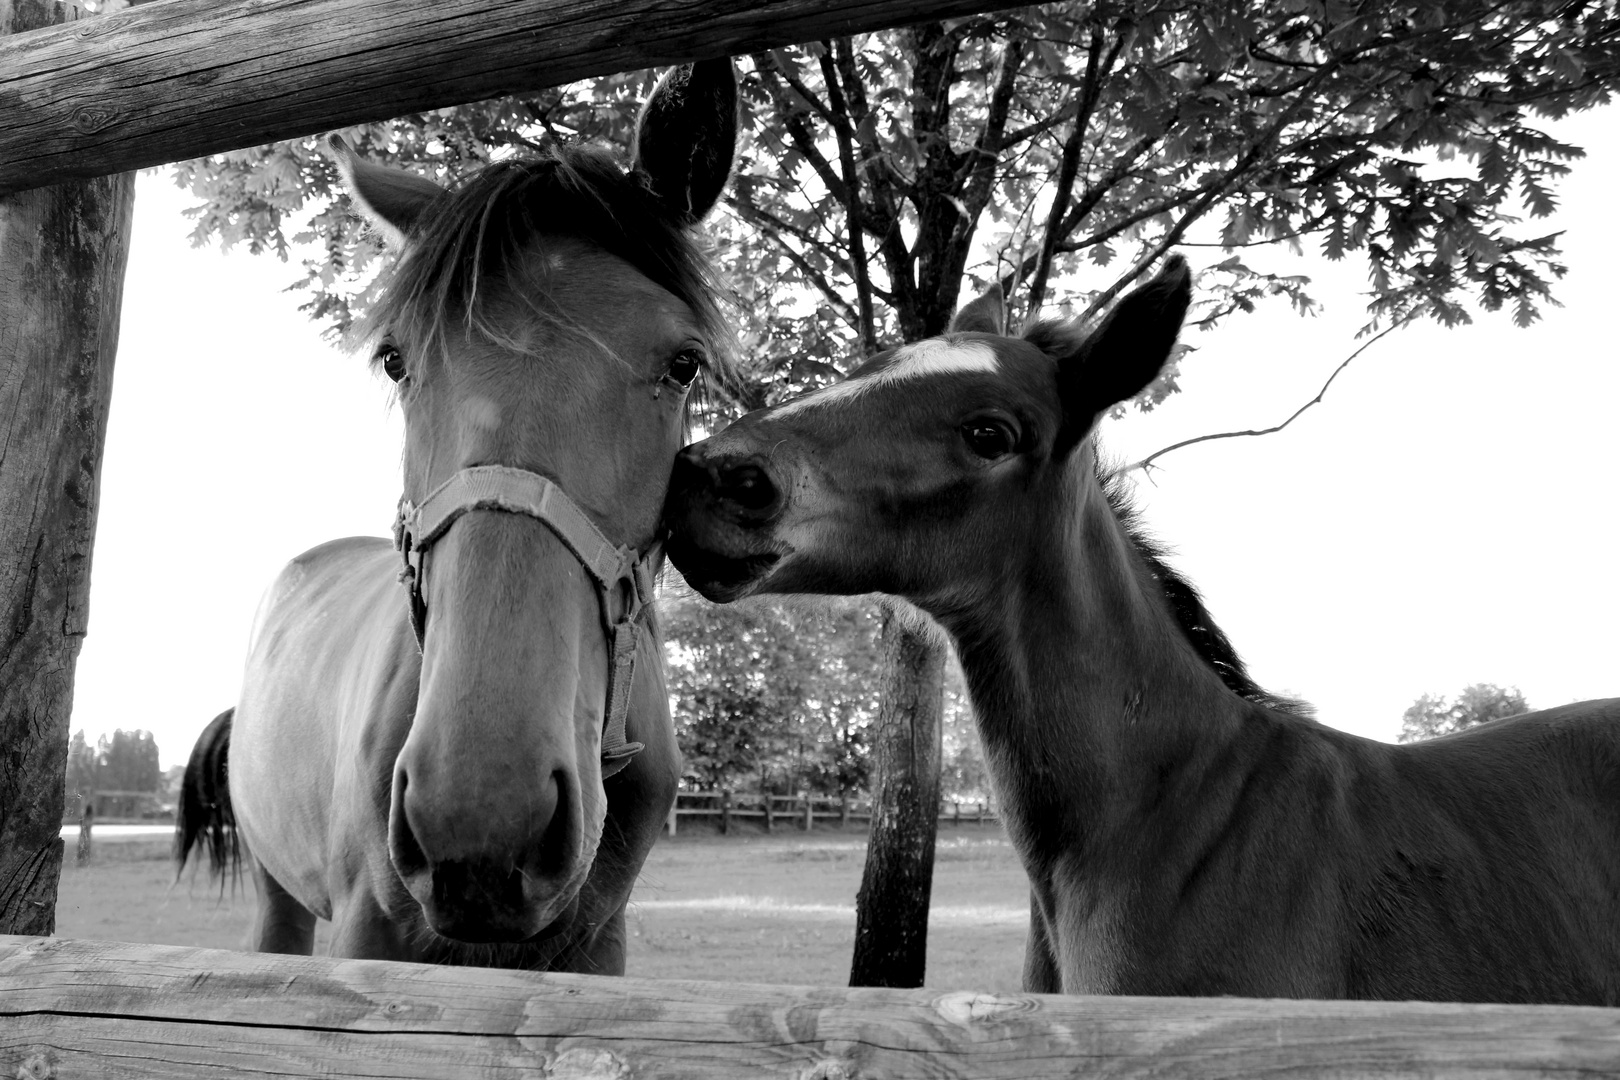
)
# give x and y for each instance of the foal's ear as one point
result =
(686, 137)
(1123, 355)
(392, 199)
(986, 315)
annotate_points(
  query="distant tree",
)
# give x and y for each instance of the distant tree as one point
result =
(1430, 716)
(964, 775)
(82, 767)
(772, 692)
(128, 761)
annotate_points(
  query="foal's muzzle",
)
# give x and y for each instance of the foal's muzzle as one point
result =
(721, 512)
(739, 491)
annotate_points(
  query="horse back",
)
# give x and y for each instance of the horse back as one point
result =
(1496, 870)
(1483, 866)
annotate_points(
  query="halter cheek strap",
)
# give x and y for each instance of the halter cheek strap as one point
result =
(623, 581)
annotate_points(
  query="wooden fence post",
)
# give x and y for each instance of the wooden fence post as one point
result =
(62, 256)
(770, 818)
(809, 811)
(87, 822)
(725, 812)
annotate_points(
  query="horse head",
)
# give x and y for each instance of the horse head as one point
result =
(914, 476)
(543, 323)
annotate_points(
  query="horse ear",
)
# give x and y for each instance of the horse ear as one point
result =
(986, 315)
(687, 135)
(1126, 353)
(392, 199)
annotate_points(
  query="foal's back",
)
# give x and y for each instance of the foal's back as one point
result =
(1482, 866)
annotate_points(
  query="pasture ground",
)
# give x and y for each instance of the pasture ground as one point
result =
(752, 908)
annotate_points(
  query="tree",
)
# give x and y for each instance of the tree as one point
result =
(1432, 716)
(128, 761)
(81, 772)
(771, 692)
(1058, 152)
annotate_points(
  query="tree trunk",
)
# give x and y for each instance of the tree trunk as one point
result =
(62, 255)
(891, 910)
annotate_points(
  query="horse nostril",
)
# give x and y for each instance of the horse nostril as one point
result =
(748, 487)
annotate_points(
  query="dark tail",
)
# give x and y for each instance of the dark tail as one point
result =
(204, 817)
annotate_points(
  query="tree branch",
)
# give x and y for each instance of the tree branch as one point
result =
(774, 230)
(1147, 463)
(1212, 191)
(1097, 69)
(794, 120)
(844, 129)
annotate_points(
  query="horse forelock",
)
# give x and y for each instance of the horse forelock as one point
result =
(481, 232)
(1207, 639)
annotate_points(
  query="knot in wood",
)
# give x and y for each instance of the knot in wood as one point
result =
(587, 1063)
(967, 1008)
(36, 1067)
(89, 119)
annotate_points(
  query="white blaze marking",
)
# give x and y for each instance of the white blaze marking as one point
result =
(922, 359)
(480, 412)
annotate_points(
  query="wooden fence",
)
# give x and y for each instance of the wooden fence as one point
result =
(797, 811)
(91, 1010)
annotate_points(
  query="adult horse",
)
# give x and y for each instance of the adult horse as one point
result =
(1184, 832)
(473, 767)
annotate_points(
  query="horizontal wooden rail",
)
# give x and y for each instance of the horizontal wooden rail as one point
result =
(185, 78)
(92, 1010)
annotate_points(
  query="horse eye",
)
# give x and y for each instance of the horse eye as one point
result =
(989, 439)
(685, 367)
(393, 364)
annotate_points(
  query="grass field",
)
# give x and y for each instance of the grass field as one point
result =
(756, 908)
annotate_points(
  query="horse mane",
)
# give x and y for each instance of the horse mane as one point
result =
(481, 228)
(1207, 639)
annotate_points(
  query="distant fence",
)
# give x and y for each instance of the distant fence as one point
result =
(800, 811)
(96, 1010)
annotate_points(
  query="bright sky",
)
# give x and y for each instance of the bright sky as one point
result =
(1448, 515)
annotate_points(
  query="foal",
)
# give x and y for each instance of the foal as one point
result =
(1184, 832)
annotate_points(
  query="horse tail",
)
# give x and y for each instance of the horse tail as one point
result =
(204, 817)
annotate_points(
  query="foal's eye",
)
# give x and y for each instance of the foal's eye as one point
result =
(393, 364)
(685, 367)
(990, 439)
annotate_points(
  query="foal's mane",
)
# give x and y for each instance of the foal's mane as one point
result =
(479, 231)
(1202, 634)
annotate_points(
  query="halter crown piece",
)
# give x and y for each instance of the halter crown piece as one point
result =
(623, 581)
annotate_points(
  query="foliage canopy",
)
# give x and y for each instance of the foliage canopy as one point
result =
(1059, 150)
(1431, 716)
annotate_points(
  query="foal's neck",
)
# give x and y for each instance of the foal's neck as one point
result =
(1093, 705)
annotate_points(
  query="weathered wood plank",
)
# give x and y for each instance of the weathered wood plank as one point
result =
(181, 79)
(62, 255)
(103, 1009)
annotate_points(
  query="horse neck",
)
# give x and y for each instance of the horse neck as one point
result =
(1090, 699)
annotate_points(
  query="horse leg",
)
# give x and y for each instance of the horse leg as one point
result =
(1040, 963)
(282, 925)
(363, 931)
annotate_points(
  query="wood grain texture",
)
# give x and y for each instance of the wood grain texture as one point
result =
(185, 78)
(62, 255)
(86, 1009)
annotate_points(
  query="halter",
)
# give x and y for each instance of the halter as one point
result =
(616, 571)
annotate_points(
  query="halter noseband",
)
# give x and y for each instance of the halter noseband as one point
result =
(616, 571)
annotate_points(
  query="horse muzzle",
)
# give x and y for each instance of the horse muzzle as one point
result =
(468, 894)
(722, 515)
